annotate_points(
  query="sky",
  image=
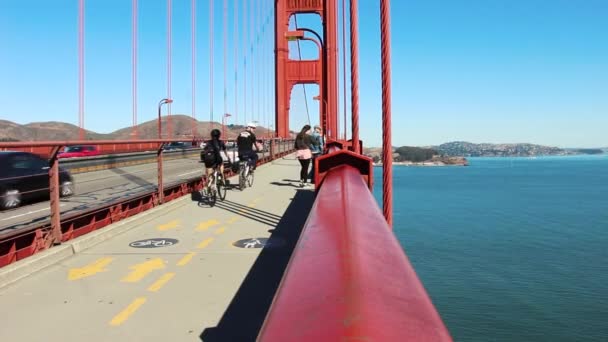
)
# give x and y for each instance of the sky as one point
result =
(493, 71)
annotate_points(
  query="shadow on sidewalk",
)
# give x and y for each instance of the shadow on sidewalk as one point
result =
(245, 314)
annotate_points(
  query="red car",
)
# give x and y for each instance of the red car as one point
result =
(79, 151)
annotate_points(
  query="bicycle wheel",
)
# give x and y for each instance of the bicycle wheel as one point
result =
(250, 179)
(221, 188)
(242, 179)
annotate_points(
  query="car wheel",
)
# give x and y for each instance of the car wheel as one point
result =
(10, 199)
(66, 189)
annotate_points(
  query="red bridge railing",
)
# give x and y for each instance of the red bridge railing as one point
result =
(20, 243)
(348, 278)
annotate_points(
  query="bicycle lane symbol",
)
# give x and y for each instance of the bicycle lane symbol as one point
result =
(153, 243)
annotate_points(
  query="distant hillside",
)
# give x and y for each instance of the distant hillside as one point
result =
(467, 149)
(54, 131)
(415, 156)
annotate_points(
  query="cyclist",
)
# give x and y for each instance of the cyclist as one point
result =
(212, 153)
(246, 142)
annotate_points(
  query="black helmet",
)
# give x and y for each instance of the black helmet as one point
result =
(215, 133)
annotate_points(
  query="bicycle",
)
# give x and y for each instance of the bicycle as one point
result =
(215, 185)
(245, 175)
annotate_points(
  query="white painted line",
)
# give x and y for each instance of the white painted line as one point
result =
(29, 212)
(191, 172)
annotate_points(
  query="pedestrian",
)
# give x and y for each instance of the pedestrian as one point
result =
(318, 143)
(303, 146)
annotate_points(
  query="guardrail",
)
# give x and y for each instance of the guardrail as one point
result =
(21, 243)
(348, 277)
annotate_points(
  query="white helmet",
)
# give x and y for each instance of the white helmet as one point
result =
(251, 124)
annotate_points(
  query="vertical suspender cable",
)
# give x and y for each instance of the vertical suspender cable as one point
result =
(245, 40)
(193, 36)
(295, 18)
(81, 70)
(134, 66)
(169, 26)
(236, 59)
(387, 155)
(259, 51)
(354, 72)
(225, 38)
(253, 61)
(344, 64)
(211, 62)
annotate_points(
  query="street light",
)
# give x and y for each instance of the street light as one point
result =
(162, 102)
(299, 35)
(224, 124)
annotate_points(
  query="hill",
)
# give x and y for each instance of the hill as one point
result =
(57, 131)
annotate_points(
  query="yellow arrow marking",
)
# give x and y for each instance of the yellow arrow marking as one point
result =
(161, 282)
(90, 269)
(186, 259)
(171, 225)
(141, 270)
(128, 311)
(232, 220)
(205, 243)
(220, 230)
(205, 225)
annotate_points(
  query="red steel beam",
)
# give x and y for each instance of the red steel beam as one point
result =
(348, 277)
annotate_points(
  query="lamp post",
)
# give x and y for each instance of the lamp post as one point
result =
(160, 104)
(224, 125)
(299, 35)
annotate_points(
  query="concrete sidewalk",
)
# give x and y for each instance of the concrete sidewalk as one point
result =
(183, 275)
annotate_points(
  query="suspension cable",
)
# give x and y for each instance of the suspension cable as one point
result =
(225, 38)
(236, 59)
(211, 63)
(134, 66)
(193, 36)
(245, 50)
(81, 69)
(295, 17)
(387, 157)
(344, 64)
(169, 25)
(354, 72)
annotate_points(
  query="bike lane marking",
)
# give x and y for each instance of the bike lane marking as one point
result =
(122, 316)
(161, 282)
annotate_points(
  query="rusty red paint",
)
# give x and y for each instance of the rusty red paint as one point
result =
(348, 277)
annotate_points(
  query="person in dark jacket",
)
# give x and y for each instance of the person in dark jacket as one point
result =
(303, 148)
(213, 149)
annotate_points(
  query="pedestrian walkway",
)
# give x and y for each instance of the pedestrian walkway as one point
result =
(188, 273)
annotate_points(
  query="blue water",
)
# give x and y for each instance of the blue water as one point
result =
(510, 249)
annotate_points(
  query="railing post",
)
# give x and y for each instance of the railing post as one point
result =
(271, 149)
(54, 196)
(159, 159)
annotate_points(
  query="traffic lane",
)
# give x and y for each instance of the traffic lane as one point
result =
(102, 187)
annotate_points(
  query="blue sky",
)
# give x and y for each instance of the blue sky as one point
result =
(477, 70)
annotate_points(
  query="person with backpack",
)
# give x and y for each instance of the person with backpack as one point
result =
(212, 153)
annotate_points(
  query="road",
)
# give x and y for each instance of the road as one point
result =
(99, 187)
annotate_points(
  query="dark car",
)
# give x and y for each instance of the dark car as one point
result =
(176, 146)
(25, 176)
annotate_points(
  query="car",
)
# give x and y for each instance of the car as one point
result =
(77, 151)
(25, 176)
(176, 146)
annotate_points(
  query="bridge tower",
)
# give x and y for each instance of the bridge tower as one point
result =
(323, 72)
